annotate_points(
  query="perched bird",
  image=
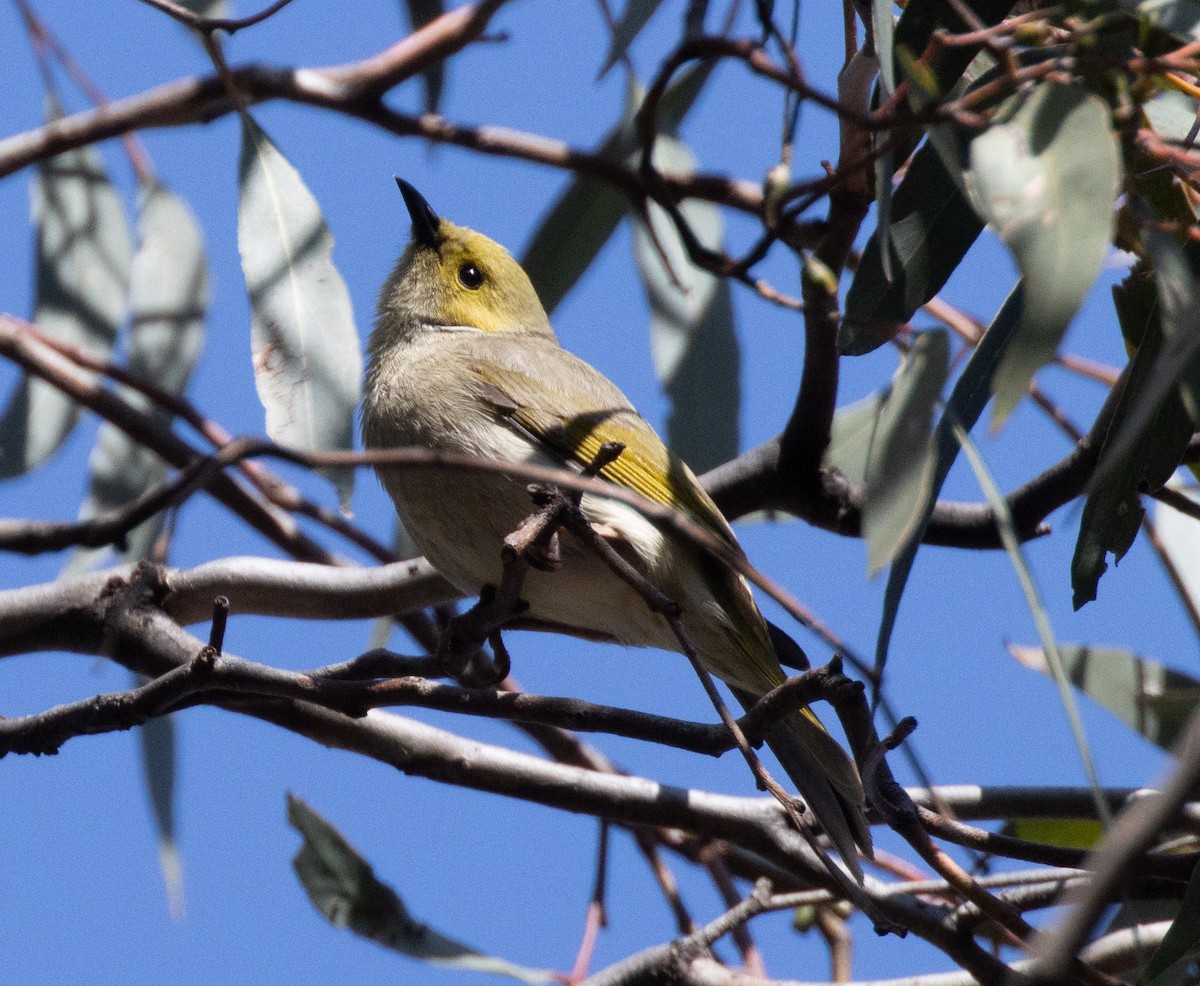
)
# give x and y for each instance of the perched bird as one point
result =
(463, 359)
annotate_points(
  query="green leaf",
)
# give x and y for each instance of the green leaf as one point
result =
(420, 13)
(900, 469)
(1181, 938)
(930, 230)
(692, 337)
(157, 738)
(967, 400)
(1151, 426)
(168, 299)
(1144, 694)
(344, 888)
(633, 19)
(1180, 18)
(922, 17)
(587, 213)
(307, 362)
(82, 262)
(1069, 833)
(1045, 178)
(850, 438)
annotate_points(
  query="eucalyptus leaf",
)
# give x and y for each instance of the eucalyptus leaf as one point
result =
(900, 468)
(168, 299)
(158, 741)
(585, 216)
(1045, 177)
(931, 227)
(307, 362)
(420, 13)
(850, 437)
(692, 338)
(83, 253)
(1180, 18)
(1181, 939)
(633, 18)
(968, 398)
(1148, 696)
(1151, 426)
(343, 887)
(921, 18)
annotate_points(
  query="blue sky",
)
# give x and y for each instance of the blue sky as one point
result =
(86, 898)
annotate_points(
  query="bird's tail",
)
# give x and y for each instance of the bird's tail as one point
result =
(825, 777)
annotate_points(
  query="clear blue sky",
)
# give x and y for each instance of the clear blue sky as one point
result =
(85, 899)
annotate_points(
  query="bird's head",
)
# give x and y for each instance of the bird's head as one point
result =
(452, 279)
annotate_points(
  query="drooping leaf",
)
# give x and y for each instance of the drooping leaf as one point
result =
(1150, 428)
(82, 264)
(344, 888)
(1144, 694)
(931, 228)
(692, 338)
(307, 362)
(1180, 537)
(1045, 178)
(1180, 18)
(900, 469)
(850, 437)
(633, 18)
(168, 298)
(587, 213)
(420, 13)
(158, 761)
(1181, 939)
(968, 397)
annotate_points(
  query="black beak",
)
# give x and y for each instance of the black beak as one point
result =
(425, 222)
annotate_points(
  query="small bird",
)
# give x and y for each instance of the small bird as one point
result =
(463, 359)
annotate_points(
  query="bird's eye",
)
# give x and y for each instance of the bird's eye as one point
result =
(470, 276)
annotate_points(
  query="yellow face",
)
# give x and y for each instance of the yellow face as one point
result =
(466, 279)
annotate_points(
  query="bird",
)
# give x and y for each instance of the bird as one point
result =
(463, 359)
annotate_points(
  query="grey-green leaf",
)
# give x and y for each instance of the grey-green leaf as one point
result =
(583, 219)
(1148, 696)
(930, 230)
(83, 254)
(970, 394)
(420, 13)
(1151, 426)
(344, 888)
(633, 19)
(900, 468)
(1180, 941)
(307, 362)
(158, 761)
(692, 338)
(168, 299)
(1045, 178)
(1178, 17)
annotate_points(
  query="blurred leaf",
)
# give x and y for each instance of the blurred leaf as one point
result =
(1178, 17)
(307, 363)
(1172, 113)
(967, 400)
(692, 338)
(633, 19)
(884, 25)
(1180, 537)
(1153, 699)
(1069, 833)
(586, 214)
(420, 13)
(922, 17)
(344, 888)
(900, 468)
(157, 738)
(1181, 939)
(931, 228)
(1045, 178)
(850, 438)
(82, 256)
(1150, 427)
(168, 298)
